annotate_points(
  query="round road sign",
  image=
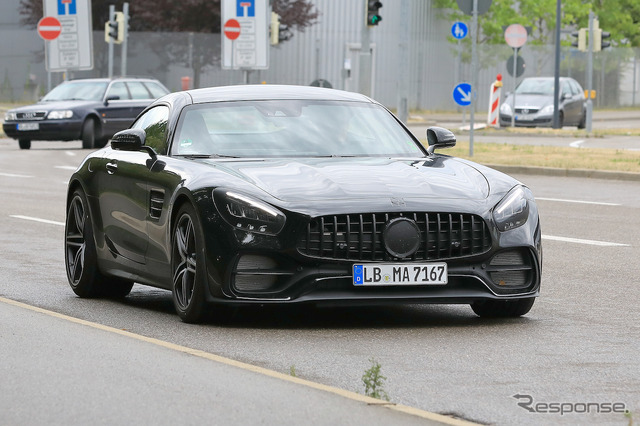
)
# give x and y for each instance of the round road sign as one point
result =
(515, 35)
(49, 28)
(231, 29)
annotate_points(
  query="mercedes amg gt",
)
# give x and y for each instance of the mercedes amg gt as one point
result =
(273, 194)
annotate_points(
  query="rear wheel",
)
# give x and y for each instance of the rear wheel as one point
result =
(81, 258)
(24, 143)
(187, 264)
(502, 308)
(89, 134)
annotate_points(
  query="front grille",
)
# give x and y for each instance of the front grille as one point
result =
(31, 115)
(358, 237)
(527, 110)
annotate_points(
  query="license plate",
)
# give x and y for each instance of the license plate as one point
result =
(400, 274)
(524, 117)
(28, 126)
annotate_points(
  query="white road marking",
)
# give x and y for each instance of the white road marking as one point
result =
(66, 167)
(14, 175)
(37, 219)
(70, 153)
(598, 203)
(579, 241)
(576, 144)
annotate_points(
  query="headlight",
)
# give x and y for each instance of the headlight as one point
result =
(513, 210)
(8, 116)
(547, 110)
(59, 115)
(248, 214)
(505, 109)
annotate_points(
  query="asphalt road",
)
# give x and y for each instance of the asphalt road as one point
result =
(577, 350)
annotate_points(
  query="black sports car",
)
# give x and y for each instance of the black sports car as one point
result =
(286, 194)
(88, 109)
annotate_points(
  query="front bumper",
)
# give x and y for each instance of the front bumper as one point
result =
(532, 121)
(48, 130)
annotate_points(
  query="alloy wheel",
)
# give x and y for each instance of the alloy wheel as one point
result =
(75, 240)
(184, 248)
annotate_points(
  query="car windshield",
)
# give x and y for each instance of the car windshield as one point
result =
(77, 90)
(536, 86)
(292, 128)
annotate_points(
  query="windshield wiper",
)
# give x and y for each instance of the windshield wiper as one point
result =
(195, 156)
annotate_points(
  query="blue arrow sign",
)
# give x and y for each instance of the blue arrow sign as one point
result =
(459, 30)
(462, 94)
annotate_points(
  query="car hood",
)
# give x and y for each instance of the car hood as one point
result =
(55, 105)
(362, 178)
(537, 101)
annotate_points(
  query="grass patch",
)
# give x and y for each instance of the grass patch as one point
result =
(549, 156)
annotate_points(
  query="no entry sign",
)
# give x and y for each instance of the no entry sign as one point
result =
(515, 35)
(49, 28)
(232, 29)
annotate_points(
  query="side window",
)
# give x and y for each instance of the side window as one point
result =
(120, 90)
(154, 123)
(155, 89)
(138, 91)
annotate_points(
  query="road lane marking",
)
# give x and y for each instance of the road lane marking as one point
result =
(597, 203)
(580, 241)
(70, 153)
(253, 368)
(14, 175)
(576, 144)
(37, 219)
(66, 167)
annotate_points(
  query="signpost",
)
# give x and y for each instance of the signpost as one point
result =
(462, 94)
(72, 47)
(516, 36)
(245, 45)
(49, 28)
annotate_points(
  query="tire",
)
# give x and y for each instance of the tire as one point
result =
(24, 143)
(89, 134)
(81, 257)
(502, 308)
(583, 121)
(560, 119)
(188, 266)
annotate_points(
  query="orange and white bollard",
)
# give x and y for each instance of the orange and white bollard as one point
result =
(494, 102)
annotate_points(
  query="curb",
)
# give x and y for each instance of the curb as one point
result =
(578, 173)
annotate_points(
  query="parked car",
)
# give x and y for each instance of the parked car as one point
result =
(88, 109)
(534, 103)
(286, 194)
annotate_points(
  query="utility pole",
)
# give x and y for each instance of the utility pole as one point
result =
(590, 73)
(123, 52)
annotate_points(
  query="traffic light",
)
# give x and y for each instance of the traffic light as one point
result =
(274, 36)
(373, 15)
(581, 42)
(114, 30)
(598, 37)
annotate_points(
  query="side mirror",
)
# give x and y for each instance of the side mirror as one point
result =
(438, 137)
(129, 140)
(111, 98)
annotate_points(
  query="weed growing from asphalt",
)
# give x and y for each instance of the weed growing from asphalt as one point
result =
(292, 371)
(374, 381)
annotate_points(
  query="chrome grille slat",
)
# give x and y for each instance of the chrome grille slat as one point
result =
(358, 237)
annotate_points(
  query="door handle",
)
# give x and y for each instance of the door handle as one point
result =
(112, 167)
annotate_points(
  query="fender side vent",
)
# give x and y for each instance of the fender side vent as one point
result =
(156, 201)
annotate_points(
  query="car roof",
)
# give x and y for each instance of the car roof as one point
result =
(107, 80)
(272, 92)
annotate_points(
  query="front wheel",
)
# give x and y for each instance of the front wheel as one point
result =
(187, 264)
(24, 143)
(81, 257)
(89, 134)
(502, 308)
(583, 121)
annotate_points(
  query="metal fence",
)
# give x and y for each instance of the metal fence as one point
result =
(329, 50)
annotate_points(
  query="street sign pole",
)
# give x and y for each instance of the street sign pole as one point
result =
(515, 80)
(123, 50)
(474, 71)
(112, 16)
(590, 73)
